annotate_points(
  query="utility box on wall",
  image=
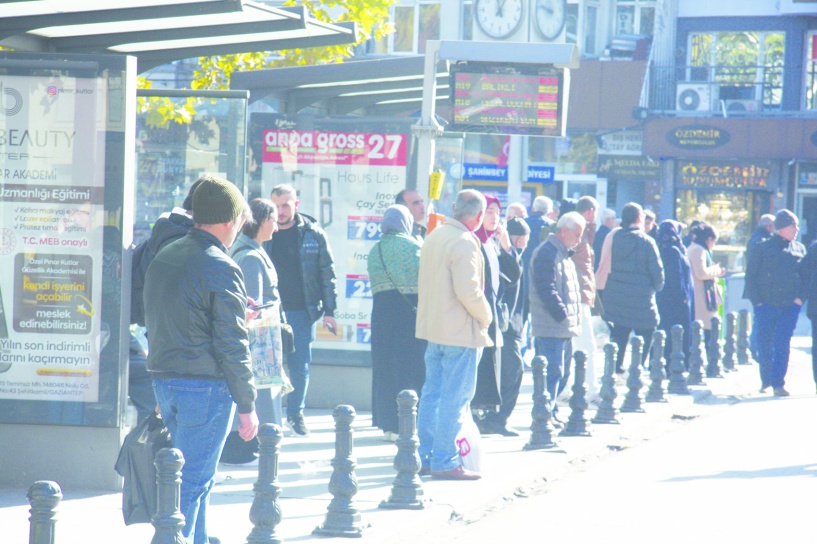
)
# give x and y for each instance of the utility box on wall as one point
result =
(66, 159)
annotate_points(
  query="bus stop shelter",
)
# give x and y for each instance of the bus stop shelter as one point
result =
(69, 159)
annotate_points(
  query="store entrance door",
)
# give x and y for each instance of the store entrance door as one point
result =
(576, 186)
(807, 212)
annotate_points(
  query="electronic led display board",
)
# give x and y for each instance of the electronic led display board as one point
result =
(508, 99)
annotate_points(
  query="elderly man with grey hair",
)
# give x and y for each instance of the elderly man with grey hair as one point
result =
(555, 301)
(453, 315)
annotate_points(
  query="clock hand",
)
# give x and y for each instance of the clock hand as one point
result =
(500, 4)
(547, 9)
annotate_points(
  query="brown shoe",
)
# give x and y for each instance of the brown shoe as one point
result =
(459, 473)
(425, 471)
(780, 392)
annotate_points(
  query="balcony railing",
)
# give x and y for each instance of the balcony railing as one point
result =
(722, 91)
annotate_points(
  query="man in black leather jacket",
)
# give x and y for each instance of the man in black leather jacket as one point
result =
(199, 358)
(306, 275)
(776, 291)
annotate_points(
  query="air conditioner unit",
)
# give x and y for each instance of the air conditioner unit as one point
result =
(741, 106)
(693, 97)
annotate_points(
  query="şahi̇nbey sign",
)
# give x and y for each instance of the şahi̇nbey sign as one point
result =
(52, 177)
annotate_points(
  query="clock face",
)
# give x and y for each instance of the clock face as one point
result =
(498, 18)
(549, 16)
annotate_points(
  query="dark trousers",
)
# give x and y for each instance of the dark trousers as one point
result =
(621, 335)
(510, 377)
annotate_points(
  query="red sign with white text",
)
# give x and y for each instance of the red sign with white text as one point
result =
(336, 148)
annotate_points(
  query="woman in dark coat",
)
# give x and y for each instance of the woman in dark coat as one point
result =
(398, 358)
(636, 274)
(676, 301)
(501, 271)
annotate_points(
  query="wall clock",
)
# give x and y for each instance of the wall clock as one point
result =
(549, 17)
(498, 18)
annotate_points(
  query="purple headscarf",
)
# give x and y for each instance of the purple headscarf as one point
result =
(481, 233)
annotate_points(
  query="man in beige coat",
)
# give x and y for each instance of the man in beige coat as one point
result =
(453, 316)
(583, 258)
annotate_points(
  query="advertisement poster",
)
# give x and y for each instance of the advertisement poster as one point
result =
(345, 181)
(52, 168)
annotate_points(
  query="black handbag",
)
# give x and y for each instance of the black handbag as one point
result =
(135, 465)
(503, 316)
(710, 295)
(287, 338)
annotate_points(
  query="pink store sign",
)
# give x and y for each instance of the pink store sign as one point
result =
(337, 148)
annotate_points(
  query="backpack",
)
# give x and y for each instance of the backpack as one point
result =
(139, 267)
(165, 231)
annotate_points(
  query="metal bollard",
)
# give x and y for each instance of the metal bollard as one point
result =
(655, 393)
(576, 424)
(677, 378)
(729, 345)
(541, 435)
(44, 497)
(632, 399)
(342, 516)
(407, 488)
(713, 350)
(696, 353)
(744, 353)
(606, 412)
(168, 520)
(265, 512)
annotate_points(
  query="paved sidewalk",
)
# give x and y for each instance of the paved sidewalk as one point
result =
(304, 470)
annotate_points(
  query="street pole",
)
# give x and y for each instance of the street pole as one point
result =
(427, 129)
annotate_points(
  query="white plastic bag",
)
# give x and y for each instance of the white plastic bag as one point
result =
(468, 442)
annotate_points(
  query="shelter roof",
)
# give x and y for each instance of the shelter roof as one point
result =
(160, 31)
(383, 86)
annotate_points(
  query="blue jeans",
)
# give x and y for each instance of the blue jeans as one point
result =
(198, 414)
(753, 348)
(451, 380)
(775, 326)
(298, 361)
(557, 351)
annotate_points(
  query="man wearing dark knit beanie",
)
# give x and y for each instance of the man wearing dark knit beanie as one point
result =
(776, 291)
(199, 359)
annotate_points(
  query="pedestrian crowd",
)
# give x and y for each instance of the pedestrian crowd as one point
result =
(233, 293)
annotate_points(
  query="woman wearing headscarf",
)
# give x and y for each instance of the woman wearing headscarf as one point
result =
(502, 269)
(398, 358)
(676, 301)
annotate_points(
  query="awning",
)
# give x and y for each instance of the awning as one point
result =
(160, 31)
(380, 87)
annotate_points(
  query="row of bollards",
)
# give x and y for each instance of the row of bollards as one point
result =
(343, 518)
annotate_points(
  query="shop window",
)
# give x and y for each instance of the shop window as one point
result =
(468, 20)
(811, 72)
(590, 29)
(734, 215)
(429, 25)
(415, 22)
(403, 30)
(635, 17)
(742, 69)
(572, 24)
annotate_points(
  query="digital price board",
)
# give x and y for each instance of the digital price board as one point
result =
(508, 99)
